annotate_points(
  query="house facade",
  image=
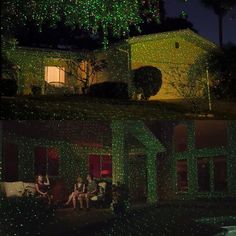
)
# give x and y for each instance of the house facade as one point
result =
(161, 160)
(171, 52)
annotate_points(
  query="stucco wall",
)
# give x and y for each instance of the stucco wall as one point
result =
(173, 62)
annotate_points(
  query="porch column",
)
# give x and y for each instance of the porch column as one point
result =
(151, 177)
(231, 163)
(26, 160)
(1, 153)
(192, 163)
(119, 153)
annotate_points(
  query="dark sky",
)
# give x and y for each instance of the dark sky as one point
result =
(204, 20)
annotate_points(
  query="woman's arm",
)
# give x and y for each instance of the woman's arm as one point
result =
(95, 189)
(37, 190)
(47, 181)
(75, 188)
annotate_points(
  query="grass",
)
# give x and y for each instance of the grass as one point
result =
(203, 218)
(83, 108)
(157, 220)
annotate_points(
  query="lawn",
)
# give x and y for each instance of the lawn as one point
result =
(83, 108)
(172, 218)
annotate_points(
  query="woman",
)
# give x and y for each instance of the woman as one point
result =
(42, 186)
(92, 190)
(79, 188)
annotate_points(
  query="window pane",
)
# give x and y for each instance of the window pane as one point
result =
(54, 74)
(210, 134)
(182, 175)
(180, 138)
(220, 173)
(203, 175)
(10, 157)
(106, 171)
(53, 161)
(40, 161)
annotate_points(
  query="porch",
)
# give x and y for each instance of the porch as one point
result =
(65, 150)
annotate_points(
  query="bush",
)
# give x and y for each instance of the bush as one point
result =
(148, 80)
(36, 90)
(118, 90)
(8, 87)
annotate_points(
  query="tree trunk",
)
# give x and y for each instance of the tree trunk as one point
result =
(220, 18)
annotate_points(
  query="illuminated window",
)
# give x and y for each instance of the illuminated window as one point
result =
(220, 173)
(55, 75)
(180, 138)
(10, 162)
(182, 175)
(100, 166)
(210, 134)
(46, 161)
(203, 172)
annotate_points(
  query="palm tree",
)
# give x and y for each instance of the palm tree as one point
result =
(220, 7)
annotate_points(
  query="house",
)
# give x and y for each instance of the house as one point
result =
(158, 160)
(171, 52)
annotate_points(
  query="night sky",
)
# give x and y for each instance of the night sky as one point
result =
(204, 20)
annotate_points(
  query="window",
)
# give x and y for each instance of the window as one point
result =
(100, 166)
(182, 175)
(220, 173)
(180, 138)
(176, 44)
(46, 161)
(210, 134)
(55, 75)
(10, 162)
(203, 172)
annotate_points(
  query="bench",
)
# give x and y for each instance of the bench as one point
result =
(17, 189)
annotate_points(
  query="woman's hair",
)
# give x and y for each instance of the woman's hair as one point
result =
(91, 176)
(37, 176)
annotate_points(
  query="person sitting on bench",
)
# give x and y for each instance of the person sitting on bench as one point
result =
(42, 187)
(79, 188)
(91, 190)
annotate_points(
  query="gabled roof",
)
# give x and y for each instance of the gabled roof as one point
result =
(186, 34)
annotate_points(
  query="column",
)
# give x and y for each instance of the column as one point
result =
(119, 153)
(1, 153)
(231, 162)
(192, 163)
(151, 177)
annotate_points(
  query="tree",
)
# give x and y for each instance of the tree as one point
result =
(220, 7)
(221, 66)
(147, 81)
(190, 83)
(92, 15)
(83, 69)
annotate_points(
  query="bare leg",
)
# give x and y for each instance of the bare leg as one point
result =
(74, 200)
(87, 200)
(81, 196)
(69, 199)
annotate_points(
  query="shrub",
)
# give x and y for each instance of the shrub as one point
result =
(8, 87)
(36, 90)
(117, 90)
(147, 79)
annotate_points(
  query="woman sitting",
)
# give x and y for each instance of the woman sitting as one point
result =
(42, 187)
(92, 190)
(79, 188)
